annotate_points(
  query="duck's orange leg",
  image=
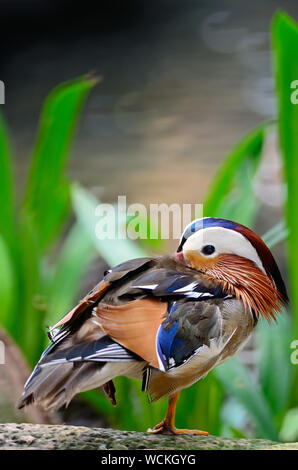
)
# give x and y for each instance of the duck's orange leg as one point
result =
(167, 426)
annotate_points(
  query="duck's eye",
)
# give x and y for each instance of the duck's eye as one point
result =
(208, 249)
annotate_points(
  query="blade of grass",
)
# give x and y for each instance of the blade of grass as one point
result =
(133, 411)
(29, 324)
(248, 148)
(289, 430)
(275, 371)
(115, 250)
(276, 234)
(7, 287)
(240, 202)
(144, 229)
(236, 379)
(199, 406)
(272, 343)
(285, 45)
(46, 204)
(8, 238)
(99, 402)
(70, 268)
(47, 194)
(7, 223)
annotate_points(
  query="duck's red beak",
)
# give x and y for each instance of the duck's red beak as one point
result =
(179, 256)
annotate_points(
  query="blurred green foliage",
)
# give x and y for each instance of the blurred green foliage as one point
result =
(285, 43)
(28, 232)
(39, 282)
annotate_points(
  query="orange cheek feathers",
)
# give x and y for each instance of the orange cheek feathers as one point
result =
(200, 262)
(242, 278)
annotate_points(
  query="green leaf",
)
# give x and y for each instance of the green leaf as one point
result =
(8, 235)
(285, 44)
(236, 379)
(199, 406)
(29, 325)
(234, 417)
(240, 203)
(99, 402)
(114, 250)
(7, 287)
(237, 434)
(70, 268)
(235, 174)
(276, 234)
(272, 343)
(144, 229)
(274, 366)
(133, 410)
(7, 223)
(289, 430)
(47, 194)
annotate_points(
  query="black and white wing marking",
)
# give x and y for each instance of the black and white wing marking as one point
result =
(166, 284)
(101, 350)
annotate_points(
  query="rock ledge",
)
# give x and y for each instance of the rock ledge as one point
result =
(52, 437)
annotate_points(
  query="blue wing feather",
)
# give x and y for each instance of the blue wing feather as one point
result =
(167, 342)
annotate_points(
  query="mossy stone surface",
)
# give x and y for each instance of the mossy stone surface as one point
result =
(52, 437)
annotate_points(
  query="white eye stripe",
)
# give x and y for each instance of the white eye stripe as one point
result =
(225, 241)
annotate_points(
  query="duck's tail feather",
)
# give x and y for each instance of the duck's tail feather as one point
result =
(63, 373)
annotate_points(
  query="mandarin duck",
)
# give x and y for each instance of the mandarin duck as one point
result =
(167, 320)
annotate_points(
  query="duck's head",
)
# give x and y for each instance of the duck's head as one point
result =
(238, 257)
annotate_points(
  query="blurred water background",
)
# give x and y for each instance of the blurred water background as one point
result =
(182, 81)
